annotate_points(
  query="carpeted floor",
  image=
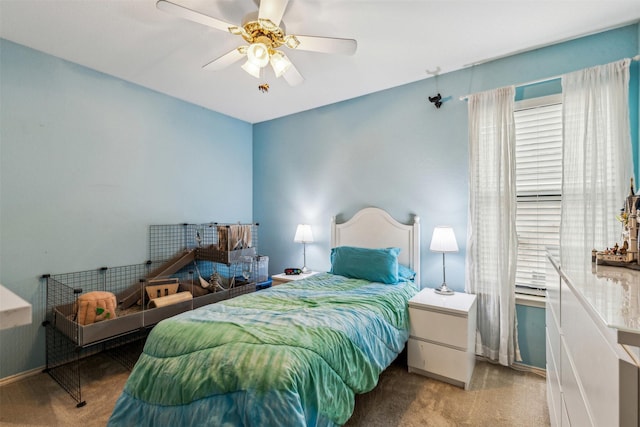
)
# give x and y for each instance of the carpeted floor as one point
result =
(498, 396)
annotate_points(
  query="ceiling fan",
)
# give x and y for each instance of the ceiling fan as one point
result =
(265, 33)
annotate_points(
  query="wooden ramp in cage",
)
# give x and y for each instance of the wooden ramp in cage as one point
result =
(173, 265)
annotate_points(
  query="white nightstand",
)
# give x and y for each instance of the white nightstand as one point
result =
(442, 336)
(279, 279)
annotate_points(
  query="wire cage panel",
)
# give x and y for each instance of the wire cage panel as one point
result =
(63, 291)
(165, 241)
(62, 363)
(126, 349)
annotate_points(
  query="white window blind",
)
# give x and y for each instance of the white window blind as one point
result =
(538, 188)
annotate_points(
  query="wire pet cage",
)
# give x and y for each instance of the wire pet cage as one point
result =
(190, 254)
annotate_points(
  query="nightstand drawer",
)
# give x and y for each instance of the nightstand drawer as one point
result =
(439, 327)
(443, 361)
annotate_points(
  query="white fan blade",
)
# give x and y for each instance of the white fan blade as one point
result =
(192, 15)
(293, 76)
(224, 61)
(272, 10)
(327, 45)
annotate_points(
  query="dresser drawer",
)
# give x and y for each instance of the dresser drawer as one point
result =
(439, 327)
(552, 403)
(576, 404)
(553, 336)
(554, 396)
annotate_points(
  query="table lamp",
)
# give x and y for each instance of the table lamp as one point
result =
(443, 240)
(304, 236)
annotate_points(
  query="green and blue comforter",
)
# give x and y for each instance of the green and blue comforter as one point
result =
(292, 355)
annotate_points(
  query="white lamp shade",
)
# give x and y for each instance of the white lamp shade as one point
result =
(443, 239)
(303, 234)
(252, 69)
(280, 63)
(258, 54)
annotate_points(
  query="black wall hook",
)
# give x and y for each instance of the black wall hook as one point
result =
(436, 100)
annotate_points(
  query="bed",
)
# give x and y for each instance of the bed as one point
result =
(295, 354)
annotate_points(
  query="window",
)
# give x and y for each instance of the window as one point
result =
(538, 124)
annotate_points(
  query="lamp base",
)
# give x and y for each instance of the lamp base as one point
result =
(444, 290)
(305, 270)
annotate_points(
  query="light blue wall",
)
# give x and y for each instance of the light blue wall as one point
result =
(634, 113)
(531, 335)
(394, 150)
(87, 163)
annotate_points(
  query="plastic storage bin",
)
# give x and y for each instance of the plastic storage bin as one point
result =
(262, 263)
(263, 285)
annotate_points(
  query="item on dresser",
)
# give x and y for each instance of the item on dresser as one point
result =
(628, 253)
(292, 271)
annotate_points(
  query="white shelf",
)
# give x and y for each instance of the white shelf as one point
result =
(14, 311)
(278, 279)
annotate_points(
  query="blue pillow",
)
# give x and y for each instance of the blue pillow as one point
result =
(405, 272)
(374, 265)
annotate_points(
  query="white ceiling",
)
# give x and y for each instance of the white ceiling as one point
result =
(398, 41)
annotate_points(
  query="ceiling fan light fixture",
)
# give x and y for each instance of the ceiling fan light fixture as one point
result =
(258, 54)
(264, 31)
(252, 69)
(240, 31)
(291, 42)
(268, 24)
(280, 63)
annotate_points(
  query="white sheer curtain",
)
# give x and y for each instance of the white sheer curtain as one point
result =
(491, 229)
(597, 158)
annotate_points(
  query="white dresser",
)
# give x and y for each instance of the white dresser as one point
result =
(593, 337)
(442, 336)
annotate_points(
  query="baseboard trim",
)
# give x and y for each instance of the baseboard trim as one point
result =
(532, 369)
(21, 376)
(517, 366)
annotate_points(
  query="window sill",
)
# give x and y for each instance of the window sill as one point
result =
(530, 300)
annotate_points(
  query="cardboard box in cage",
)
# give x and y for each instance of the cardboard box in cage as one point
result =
(158, 288)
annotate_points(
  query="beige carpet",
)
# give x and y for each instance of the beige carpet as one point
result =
(498, 396)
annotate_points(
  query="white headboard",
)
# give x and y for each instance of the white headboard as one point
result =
(375, 228)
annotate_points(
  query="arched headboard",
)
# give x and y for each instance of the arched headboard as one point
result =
(375, 228)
